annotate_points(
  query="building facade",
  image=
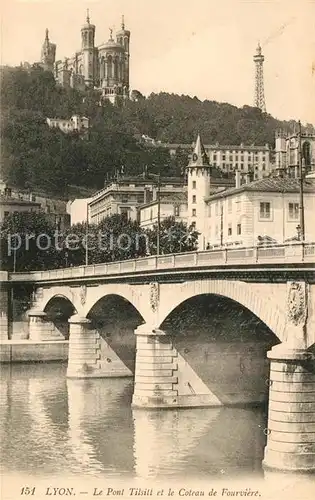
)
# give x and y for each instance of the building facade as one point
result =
(125, 195)
(76, 123)
(288, 148)
(267, 210)
(15, 200)
(105, 67)
(172, 205)
(10, 205)
(248, 159)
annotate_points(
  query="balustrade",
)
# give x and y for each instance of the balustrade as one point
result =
(293, 253)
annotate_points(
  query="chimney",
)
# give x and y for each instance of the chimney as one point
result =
(237, 179)
(247, 178)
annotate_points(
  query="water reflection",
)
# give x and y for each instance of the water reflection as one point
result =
(51, 425)
(203, 442)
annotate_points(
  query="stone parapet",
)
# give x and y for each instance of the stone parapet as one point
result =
(291, 416)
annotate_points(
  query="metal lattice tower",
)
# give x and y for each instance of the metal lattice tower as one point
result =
(259, 99)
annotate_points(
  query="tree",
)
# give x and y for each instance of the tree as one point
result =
(175, 237)
(28, 242)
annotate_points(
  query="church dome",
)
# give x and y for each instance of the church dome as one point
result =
(111, 44)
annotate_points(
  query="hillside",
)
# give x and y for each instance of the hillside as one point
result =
(35, 157)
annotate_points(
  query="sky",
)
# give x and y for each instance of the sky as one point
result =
(201, 48)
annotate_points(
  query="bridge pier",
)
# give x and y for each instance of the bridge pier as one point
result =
(40, 329)
(291, 417)
(89, 354)
(163, 378)
(4, 322)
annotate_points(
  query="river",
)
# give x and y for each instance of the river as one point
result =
(52, 426)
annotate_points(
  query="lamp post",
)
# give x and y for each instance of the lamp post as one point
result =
(301, 204)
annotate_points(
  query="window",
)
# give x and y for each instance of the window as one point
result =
(293, 211)
(124, 199)
(242, 166)
(194, 212)
(6, 214)
(223, 157)
(229, 205)
(230, 230)
(124, 212)
(194, 198)
(176, 210)
(214, 157)
(239, 229)
(140, 198)
(194, 184)
(265, 210)
(231, 158)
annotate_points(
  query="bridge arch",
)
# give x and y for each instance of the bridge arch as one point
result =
(261, 306)
(66, 293)
(125, 292)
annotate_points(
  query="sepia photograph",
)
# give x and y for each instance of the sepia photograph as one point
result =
(157, 249)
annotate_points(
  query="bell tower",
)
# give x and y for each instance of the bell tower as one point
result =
(88, 49)
(48, 54)
(199, 173)
(123, 38)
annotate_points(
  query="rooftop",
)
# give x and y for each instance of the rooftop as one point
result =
(269, 185)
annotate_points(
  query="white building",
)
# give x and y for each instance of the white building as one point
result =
(267, 209)
(228, 158)
(125, 195)
(76, 123)
(169, 206)
(78, 210)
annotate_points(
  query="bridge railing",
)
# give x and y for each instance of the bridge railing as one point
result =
(286, 254)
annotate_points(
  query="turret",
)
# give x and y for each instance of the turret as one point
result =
(123, 38)
(199, 172)
(48, 54)
(88, 49)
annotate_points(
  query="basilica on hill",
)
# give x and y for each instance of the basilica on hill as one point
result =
(105, 67)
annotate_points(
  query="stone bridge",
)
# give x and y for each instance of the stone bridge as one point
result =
(203, 323)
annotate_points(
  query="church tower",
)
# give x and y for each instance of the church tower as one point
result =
(88, 37)
(123, 38)
(48, 54)
(199, 172)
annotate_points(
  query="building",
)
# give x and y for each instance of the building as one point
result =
(78, 210)
(288, 152)
(76, 123)
(202, 180)
(253, 159)
(105, 67)
(263, 210)
(15, 200)
(126, 194)
(10, 205)
(169, 205)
